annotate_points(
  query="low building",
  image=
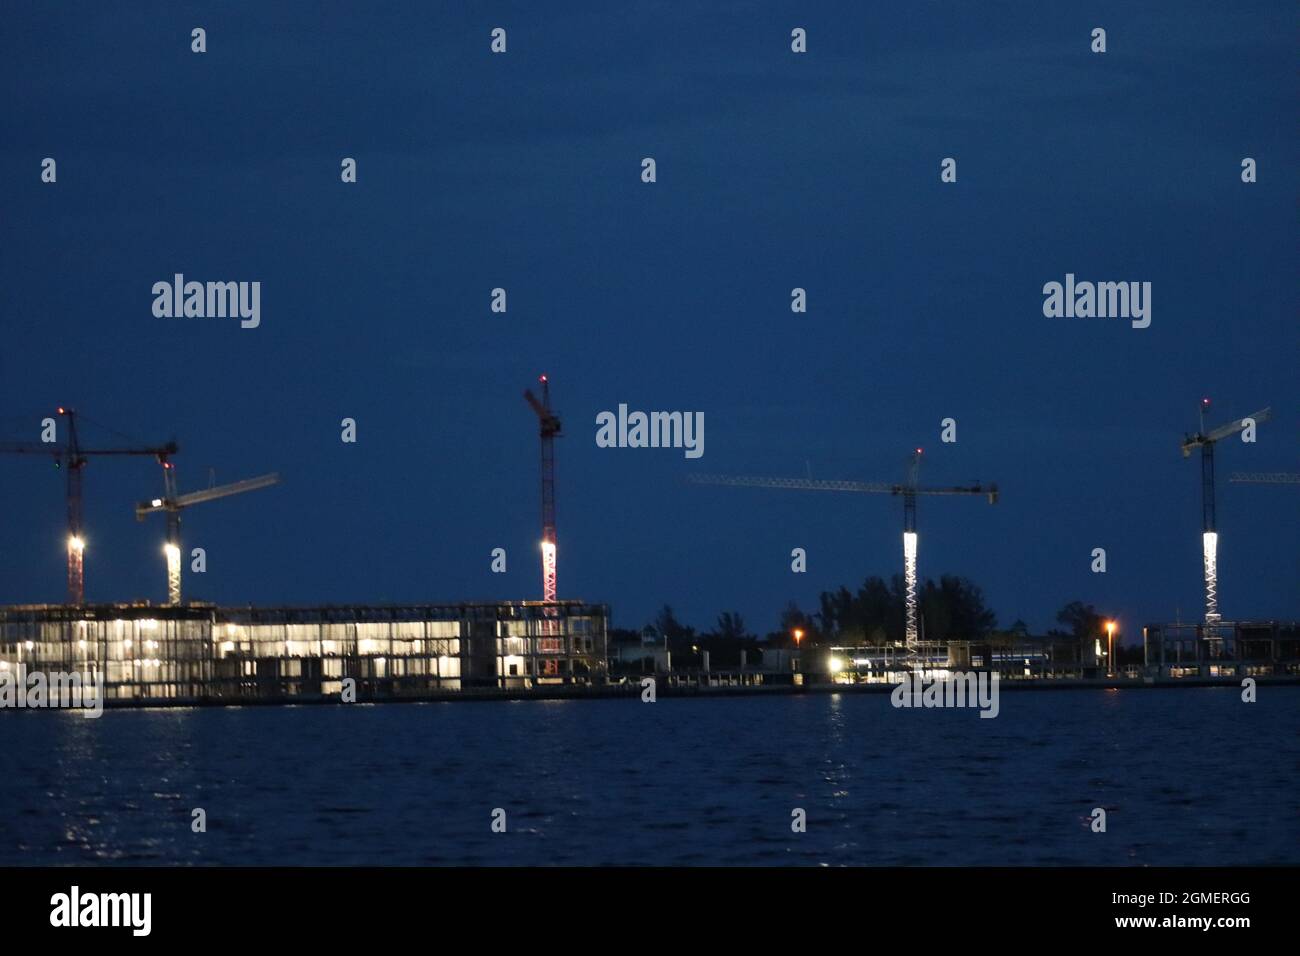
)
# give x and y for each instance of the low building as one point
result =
(1012, 657)
(645, 652)
(781, 660)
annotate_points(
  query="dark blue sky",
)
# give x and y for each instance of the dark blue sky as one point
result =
(774, 171)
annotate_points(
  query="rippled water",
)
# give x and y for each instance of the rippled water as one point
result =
(1187, 777)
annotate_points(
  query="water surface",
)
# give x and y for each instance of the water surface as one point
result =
(1190, 776)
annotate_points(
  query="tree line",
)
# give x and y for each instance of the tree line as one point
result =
(952, 608)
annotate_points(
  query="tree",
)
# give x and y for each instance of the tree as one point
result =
(881, 609)
(835, 616)
(951, 609)
(965, 616)
(668, 626)
(1083, 621)
(731, 626)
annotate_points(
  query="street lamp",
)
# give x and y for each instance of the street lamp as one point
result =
(1110, 648)
(794, 660)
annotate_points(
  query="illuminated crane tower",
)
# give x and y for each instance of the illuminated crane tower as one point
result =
(550, 428)
(1209, 533)
(173, 503)
(73, 457)
(909, 492)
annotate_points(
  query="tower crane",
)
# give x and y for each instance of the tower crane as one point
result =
(1205, 441)
(73, 457)
(909, 491)
(173, 503)
(549, 428)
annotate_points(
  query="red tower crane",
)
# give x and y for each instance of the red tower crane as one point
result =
(550, 427)
(73, 457)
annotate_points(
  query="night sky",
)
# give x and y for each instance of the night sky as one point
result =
(775, 171)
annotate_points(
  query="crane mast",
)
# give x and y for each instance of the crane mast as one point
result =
(911, 630)
(75, 460)
(1205, 441)
(549, 427)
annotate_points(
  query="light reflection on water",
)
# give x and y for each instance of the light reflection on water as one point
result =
(693, 781)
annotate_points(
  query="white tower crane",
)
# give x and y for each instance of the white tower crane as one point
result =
(1209, 532)
(174, 503)
(909, 492)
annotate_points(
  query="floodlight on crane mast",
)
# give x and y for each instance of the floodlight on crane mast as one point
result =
(173, 503)
(909, 492)
(1205, 441)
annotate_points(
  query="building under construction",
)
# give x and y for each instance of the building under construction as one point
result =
(205, 654)
(1223, 649)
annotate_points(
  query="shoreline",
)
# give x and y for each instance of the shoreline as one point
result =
(632, 691)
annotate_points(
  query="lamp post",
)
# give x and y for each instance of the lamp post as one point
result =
(1110, 648)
